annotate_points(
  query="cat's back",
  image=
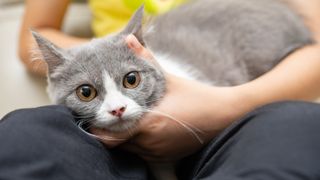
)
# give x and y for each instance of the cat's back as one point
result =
(229, 41)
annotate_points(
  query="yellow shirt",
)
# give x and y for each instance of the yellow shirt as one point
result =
(111, 15)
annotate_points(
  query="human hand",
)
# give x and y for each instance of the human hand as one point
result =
(189, 116)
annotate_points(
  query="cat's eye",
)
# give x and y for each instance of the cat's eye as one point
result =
(86, 92)
(131, 80)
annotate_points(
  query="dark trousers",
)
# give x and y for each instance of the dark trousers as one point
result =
(279, 141)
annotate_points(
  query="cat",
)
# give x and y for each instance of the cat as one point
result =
(219, 42)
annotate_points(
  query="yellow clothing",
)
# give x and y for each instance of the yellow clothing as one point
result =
(111, 15)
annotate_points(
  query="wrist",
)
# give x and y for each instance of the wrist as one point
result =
(248, 96)
(232, 102)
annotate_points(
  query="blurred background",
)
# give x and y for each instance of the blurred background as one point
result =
(18, 88)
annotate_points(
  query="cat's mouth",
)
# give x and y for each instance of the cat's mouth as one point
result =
(117, 124)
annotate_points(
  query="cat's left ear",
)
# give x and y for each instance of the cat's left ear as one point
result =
(52, 54)
(135, 25)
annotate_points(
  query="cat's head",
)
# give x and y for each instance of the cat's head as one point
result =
(104, 80)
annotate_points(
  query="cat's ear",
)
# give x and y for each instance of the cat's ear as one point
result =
(135, 25)
(52, 54)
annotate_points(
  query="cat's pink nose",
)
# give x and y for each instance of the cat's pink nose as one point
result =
(118, 112)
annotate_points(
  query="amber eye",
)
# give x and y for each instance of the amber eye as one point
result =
(131, 80)
(86, 92)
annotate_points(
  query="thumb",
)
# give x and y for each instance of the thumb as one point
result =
(139, 50)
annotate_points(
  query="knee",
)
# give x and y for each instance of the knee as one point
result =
(290, 111)
(285, 116)
(37, 116)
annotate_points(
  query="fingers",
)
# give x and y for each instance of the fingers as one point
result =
(134, 44)
(113, 139)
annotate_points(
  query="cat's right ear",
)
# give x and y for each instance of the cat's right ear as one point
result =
(140, 50)
(52, 54)
(135, 25)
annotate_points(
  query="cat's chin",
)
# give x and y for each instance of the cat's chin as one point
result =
(118, 126)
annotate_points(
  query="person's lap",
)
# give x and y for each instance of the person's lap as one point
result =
(278, 141)
(45, 143)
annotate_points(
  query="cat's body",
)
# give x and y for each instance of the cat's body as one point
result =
(228, 41)
(220, 42)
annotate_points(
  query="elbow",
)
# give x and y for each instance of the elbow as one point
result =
(35, 66)
(23, 55)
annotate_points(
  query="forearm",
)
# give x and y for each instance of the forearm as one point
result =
(296, 78)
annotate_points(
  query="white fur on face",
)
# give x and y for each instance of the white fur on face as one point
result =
(113, 100)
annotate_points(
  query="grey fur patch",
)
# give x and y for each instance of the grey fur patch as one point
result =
(228, 41)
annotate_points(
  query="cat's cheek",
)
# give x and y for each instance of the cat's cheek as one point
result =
(134, 110)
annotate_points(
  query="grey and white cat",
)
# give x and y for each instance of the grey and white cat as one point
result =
(220, 42)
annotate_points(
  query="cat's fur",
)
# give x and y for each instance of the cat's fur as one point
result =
(229, 41)
(220, 42)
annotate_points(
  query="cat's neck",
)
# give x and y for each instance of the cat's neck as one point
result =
(178, 68)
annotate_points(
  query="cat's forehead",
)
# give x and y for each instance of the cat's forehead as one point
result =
(103, 49)
(105, 55)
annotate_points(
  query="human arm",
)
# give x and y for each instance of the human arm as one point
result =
(45, 17)
(212, 109)
(297, 76)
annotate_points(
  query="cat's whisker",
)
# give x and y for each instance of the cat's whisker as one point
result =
(193, 130)
(85, 121)
(83, 116)
(88, 127)
(167, 115)
(154, 100)
(108, 138)
(130, 132)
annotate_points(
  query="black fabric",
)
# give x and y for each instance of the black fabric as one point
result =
(280, 141)
(44, 143)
